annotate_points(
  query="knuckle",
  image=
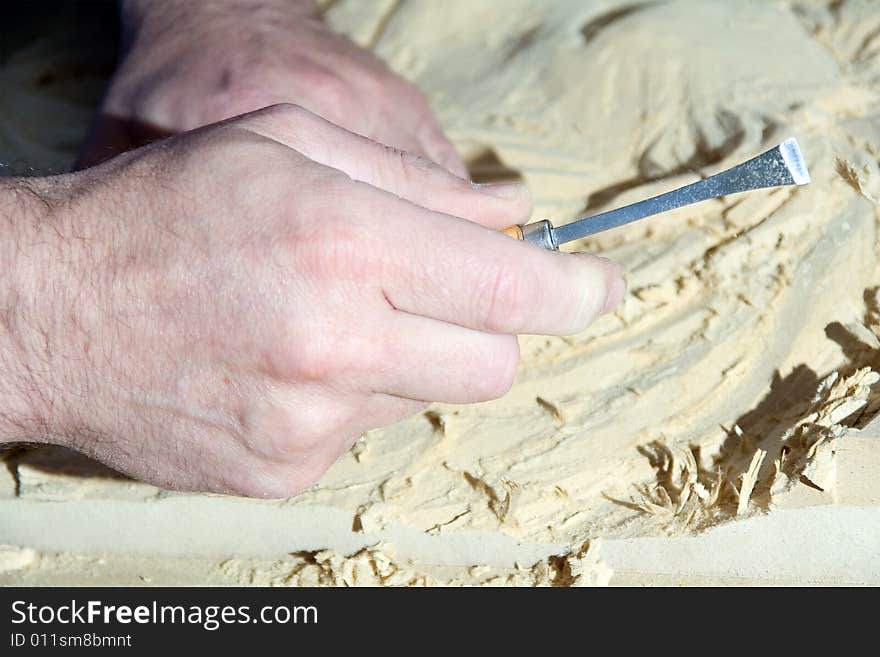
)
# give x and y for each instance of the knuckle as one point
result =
(337, 356)
(291, 432)
(283, 112)
(341, 263)
(314, 361)
(331, 192)
(302, 355)
(510, 298)
(280, 478)
(405, 166)
(286, 110)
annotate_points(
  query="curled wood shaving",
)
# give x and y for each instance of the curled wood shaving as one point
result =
(750, 478)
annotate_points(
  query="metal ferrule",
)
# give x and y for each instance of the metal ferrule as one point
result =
(541, 233)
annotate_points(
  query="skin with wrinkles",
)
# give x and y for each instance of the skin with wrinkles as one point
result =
(663, 419)
(206, 340)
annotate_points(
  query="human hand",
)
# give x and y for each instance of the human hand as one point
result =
(187, 64)
(229, 309)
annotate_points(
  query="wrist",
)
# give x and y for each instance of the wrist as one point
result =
(18, 211)
(30, 250)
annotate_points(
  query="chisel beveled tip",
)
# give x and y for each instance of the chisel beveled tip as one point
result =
(794, 160)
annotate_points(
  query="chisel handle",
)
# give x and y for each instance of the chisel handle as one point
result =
(540, 233)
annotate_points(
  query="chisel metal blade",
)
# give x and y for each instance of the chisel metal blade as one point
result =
(782, 165)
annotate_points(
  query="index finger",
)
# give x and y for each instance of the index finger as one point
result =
(403, 174)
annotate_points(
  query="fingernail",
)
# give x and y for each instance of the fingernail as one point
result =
(616, 290)
(502, 190)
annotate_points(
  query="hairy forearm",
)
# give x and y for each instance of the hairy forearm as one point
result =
(19, 213)
(33, 260)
